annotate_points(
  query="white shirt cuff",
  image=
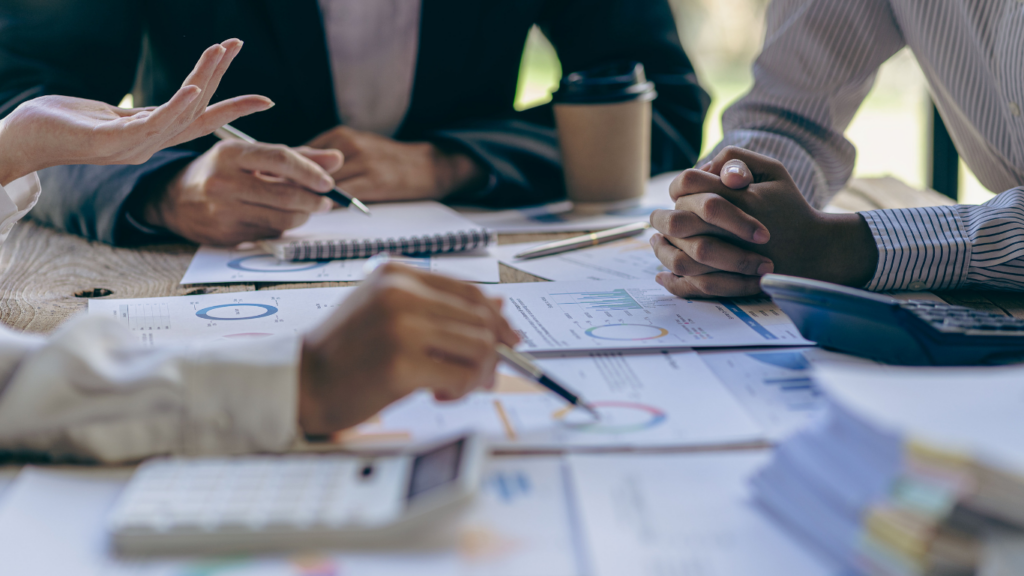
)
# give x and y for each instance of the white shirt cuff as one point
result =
(243, 398)
(16, 199)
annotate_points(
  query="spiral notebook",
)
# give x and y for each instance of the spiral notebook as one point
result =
(399, 228)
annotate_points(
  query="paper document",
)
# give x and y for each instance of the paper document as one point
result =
(222, 265)
(657, 515)
(662, 399)
(645, 400)
(637, 315)
(207, 318)
(559, 217)
(52, 523)
(974, 410)
(776, 386)
(626, 259)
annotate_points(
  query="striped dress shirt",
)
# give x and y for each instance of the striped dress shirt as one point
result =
(819, 61)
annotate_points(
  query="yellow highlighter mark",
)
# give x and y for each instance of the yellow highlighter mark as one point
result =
(505, 422)
(562, 412)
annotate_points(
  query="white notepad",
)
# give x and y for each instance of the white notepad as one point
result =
(399, 228)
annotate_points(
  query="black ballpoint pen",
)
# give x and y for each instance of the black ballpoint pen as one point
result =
(525, 365)
(229, 132)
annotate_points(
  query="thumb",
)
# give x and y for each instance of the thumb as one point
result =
(330, 160)
(736, 175)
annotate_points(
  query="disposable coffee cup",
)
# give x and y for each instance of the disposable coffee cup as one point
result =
(603, 117)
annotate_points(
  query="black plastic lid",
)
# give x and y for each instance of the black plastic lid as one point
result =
(606, 84)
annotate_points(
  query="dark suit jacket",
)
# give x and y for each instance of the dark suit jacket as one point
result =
(466, 76)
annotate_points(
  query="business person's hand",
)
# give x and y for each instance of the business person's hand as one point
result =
(52, 130)
(401, 331)
(378, 168)
(237, 192)
(741, 217)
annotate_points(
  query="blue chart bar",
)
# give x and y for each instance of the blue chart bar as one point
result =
(797, 393)
(748, 320)
(793, 383)
(510, 486)
(617, 299)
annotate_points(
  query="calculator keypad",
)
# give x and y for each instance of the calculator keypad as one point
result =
(952, 319)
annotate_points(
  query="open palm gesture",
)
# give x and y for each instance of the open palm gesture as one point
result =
(54, 130)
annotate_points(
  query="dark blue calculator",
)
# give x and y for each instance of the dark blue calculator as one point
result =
(883, 328)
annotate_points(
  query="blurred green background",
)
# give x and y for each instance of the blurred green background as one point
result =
(723, 37)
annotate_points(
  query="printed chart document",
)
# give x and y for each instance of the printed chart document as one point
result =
(221, 265)
(559, 217)
(776, 386)
(645, 400)
(626, 259)
(206, 318)
(52, 522)
(661, 399)
(637, 315)
(682, 514)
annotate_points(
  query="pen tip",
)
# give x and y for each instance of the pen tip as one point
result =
(591, 410)
(362, 207)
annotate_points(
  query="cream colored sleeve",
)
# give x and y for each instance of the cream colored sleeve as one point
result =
(16, 199)
(93, 392)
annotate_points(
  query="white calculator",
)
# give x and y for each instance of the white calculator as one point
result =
(298, 501)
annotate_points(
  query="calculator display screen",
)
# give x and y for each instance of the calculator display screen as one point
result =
(435, 469)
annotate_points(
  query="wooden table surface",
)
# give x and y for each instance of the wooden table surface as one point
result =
(46, 276)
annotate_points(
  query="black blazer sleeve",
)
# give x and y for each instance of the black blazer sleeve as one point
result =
(89, 50)
(522, 151)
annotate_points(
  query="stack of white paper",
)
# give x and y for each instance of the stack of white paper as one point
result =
(910, 470)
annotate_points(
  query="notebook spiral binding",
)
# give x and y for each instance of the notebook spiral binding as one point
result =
(460, 241)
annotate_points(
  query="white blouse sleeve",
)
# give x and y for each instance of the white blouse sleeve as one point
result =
(93, 391)
(16, 199)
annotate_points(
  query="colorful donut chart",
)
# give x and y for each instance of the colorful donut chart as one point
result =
(650, 417)
(251, 264)
(626, 332)
(205, 313)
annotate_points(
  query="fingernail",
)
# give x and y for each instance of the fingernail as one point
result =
(765, 268)
(654, 241)
(657, 278)
(761, 236)
(326, 183)
(272, 103)
(326, 205)
(734, 170)
(706, 167)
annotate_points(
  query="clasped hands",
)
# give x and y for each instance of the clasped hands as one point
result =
(740, 217)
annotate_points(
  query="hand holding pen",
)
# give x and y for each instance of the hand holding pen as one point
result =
(516, 360)
(339, 196)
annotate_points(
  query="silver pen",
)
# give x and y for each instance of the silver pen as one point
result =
(229, 132)
(584, 241)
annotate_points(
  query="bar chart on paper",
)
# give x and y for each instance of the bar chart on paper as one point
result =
(775, 386)
(637, 314)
